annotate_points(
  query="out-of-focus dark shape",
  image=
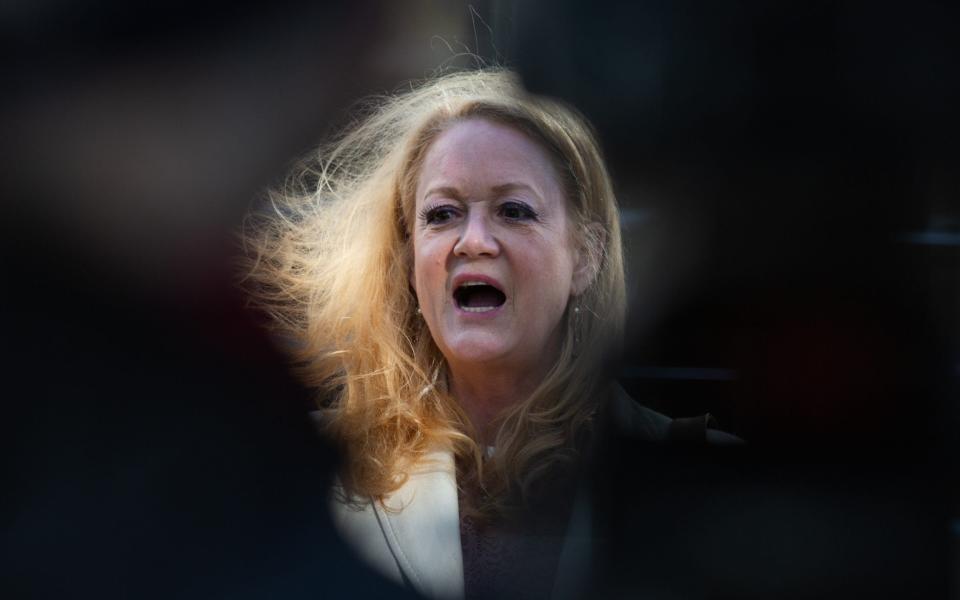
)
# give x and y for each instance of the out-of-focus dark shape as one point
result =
(157, 452)
(156, 442)
(786, 176)
(788, 173)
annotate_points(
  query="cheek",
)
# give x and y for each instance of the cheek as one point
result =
(547, 273)
(427, 275)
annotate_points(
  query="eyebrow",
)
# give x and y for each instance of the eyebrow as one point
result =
(509, 187)
(498, 190)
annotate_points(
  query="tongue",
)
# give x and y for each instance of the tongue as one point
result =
(481, 296)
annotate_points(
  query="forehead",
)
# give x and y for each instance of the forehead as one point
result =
(480, 152)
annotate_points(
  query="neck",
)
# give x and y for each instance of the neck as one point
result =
(486, 391)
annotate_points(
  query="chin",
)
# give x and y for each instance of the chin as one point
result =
(477, 348)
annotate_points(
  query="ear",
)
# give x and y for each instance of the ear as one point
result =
(588, 257)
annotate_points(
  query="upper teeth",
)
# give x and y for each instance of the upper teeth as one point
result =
(473, 283)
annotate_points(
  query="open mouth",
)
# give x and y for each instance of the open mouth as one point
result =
(477, 296)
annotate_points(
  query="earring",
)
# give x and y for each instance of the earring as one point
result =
(576, 326)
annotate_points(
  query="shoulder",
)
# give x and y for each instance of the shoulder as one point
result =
(715, 437)
(359, 525)
(413, 535)
(635, 420)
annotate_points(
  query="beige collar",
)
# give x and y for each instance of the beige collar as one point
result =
(420, 523)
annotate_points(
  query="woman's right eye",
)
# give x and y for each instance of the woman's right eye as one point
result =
(438, 215)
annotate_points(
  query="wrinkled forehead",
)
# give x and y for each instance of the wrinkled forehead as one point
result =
(477, 136)
(479, 155)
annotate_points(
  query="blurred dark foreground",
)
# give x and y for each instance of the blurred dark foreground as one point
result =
(788, 174)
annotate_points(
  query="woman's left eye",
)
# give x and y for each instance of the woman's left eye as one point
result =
(517, 211)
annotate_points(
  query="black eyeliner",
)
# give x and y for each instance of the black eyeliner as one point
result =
(425, 213)
(523, 207)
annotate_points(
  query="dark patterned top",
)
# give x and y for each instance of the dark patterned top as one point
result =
(507, 562)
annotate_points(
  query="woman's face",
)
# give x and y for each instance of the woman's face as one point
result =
(494, 264)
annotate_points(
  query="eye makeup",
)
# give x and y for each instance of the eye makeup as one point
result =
(438, 214)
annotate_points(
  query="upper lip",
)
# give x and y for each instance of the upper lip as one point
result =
(472, 277)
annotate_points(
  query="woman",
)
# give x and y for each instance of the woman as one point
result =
(452, 273)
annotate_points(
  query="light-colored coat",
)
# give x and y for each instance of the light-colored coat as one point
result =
(414, 536)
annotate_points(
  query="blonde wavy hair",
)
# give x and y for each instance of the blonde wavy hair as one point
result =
(329, 260)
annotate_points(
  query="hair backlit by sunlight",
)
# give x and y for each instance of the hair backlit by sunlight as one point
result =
(330, 262)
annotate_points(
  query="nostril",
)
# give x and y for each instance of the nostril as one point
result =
(476, 243)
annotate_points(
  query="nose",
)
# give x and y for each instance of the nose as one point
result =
(476, 237)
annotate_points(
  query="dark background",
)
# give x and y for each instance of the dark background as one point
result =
(789, 180)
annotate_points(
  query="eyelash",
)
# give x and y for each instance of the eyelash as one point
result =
(431, 215)
(526, 211)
